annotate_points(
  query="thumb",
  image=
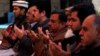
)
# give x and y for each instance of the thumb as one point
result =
(22, 27)
(68, 48)
(15, 28)
(40, 30)
(47, 33)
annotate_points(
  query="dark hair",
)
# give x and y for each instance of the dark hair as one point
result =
(84, 10)
(62, 15)
(21, 8)
(42, 5)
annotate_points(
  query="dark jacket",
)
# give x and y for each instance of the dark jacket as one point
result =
(24, 45)
(90, 50)
(40, 47)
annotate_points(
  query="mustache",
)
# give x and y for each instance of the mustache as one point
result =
(33, 15)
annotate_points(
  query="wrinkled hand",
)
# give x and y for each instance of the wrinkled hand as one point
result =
(32, 35)
(19, 32)
(56, 50)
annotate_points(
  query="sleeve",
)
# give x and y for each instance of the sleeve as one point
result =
(25, 47)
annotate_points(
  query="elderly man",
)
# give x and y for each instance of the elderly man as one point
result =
(90, 36)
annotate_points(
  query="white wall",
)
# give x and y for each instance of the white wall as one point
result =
(96, 4)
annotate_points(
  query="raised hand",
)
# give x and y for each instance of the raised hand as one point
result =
(56, 50)
(32, 35)
(19, 32)
(44, 36)
(4, 33)
(13, 36)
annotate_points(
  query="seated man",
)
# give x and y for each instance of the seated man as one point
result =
(10, 38)
(90, 36)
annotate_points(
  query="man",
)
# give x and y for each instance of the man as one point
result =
(11, 38)
(57, 25)
(90, 36)
(57, 28)
(18, 10)
(78, 14)
(68, 12)
(36, 13)
(58, 31)
(75, 24)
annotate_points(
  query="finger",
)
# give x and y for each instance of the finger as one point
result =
(15, 28)
(59, 44)
(22, 27)
(27, 31)
(47, 32)
(40, 30)
(68, 48)
(33, 33)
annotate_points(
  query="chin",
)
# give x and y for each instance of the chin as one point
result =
(83, 44)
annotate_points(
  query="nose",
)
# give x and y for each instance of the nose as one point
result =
(81, 33)
(69, 23)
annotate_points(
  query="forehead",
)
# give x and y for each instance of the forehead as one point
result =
(74, 14)
(88, 22)
(54, 16)
(16, 7)
(33, 7)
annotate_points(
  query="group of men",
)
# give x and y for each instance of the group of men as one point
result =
(73, 32)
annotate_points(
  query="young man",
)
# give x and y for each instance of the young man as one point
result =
(19, 8)
(57, 28)
(11, 39)
(77, 17)
(36, 13)
(78, 14)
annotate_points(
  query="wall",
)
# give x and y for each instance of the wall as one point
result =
(4, 6)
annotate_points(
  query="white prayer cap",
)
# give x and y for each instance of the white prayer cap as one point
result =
(20, 3)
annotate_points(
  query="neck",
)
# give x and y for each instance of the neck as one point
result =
(61, 29)
(42, 20)
(94, 44)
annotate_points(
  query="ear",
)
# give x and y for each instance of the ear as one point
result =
(62, 24)
(23, 10)
(43, 13)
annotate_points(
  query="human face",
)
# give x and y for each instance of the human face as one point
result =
(88, 31)
(30, 16)
(36, 13)
(74, 21)
(54, 22)
(16, 10)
